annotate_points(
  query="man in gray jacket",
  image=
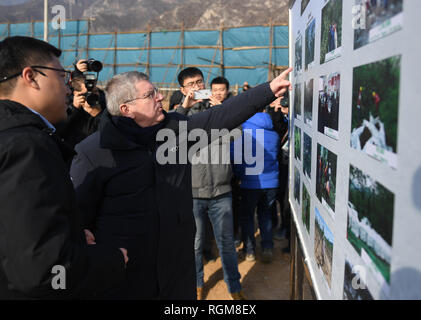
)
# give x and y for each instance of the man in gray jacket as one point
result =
(211, 182)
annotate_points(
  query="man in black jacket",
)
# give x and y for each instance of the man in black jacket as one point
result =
(41, 235)
(132, 197)
(82, 118)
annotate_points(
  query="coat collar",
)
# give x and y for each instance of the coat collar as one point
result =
(16, 115)
(112, 138)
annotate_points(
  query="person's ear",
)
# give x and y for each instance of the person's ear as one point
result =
(183, 91)
(125, 111)
(28, 76)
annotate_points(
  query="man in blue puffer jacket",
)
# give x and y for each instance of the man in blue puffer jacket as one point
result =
(258, 172)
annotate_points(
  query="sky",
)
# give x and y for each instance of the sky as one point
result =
(322, 223)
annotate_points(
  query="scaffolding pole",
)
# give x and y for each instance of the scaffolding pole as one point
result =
(46, 20)
(270, 51)
(115, 53)
(221, 42)
(148, 57)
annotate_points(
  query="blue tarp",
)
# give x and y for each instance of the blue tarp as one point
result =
(242, 49)
(249, 36)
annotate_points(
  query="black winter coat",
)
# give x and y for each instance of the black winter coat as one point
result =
(210, 180)
(40, 226)
(129, 199)
(78, 126)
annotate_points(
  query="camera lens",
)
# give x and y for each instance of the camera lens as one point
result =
(285, 100)
(94, 65)
(92, 99)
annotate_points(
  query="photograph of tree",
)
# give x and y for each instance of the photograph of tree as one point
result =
(352, 290)
(326, 177)
(370, 220)
(375, 104)
(304, 4)
(374, 20)
(331, 39)
(310, 42)
(297, 184)
(306, 208)
(307, 156)
(329, 98)
(323, 246)
(308, 102)
(298, 54)
(297, 143)
(298, 101)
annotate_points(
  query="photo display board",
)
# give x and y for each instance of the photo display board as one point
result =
(355, 156)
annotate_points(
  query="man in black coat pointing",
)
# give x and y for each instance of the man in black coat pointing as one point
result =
(131, 198)
(41, 234)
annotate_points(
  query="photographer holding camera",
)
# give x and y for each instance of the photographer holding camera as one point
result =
(87, 104)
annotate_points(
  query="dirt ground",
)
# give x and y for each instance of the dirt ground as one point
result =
(259, 281)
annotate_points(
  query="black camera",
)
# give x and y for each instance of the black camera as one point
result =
(91, 79)
(90, 82)
(94, 65)
(285, 100)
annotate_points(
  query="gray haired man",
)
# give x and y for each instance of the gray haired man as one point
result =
(129, 196)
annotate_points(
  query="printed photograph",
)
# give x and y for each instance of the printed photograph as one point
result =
(297, 143)
(331, 38)
(297, 184)
(306, 209)
(308, 102)
(304, 4)
(375, 108)
(370, 222)
(298, 54)
(329, 98)
(298, 101)
(374, 20)
(323, 246)
(307, 156)
(352, 286)
(326, 178)
(310, 43)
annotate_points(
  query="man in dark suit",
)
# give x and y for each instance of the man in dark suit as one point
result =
(82, 118)
(40, 227)
(130, 197)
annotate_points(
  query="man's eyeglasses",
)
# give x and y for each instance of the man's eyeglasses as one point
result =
(149, 95)
(191, 84)
(67, 74)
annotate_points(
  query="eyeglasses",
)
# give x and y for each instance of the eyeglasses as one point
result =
(67, 73)
(223, 89)
(191, 84)
(149, 95)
